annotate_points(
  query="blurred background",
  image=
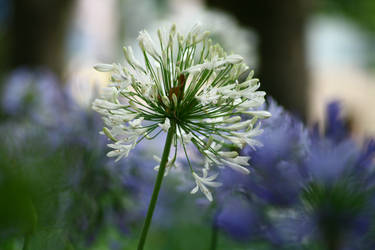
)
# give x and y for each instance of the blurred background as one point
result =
(58, 190)
(306, 52)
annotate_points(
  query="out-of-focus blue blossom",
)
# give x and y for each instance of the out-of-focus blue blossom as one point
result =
(33, 94)
(33, 104)
(239, 218)
(275, 177)
(365, 160)
(336, 127)
(328, 162)
(275, 180)
(339, 193)
(313, 189)
(92, 192)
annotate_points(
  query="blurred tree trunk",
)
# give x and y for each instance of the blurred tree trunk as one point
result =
(36, 33)
(280, 26)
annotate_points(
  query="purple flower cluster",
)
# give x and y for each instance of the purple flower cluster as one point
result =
(305, 187)
(93, 193)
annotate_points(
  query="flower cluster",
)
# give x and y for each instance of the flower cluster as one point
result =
(48, 128)
(25, 91)
(191, 85)
(306, 187)
(273, 187)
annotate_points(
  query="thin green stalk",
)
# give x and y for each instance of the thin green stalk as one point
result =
(214, 237)
(214, 228)
(26, 242)
(159, 179)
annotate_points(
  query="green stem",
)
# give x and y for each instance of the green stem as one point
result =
(214, 237)
(214, 227)
(26, 242)
(159, 179)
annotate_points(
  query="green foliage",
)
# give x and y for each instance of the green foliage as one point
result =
(361, 11)
(47, 191)
(30, 188)
(17, 212)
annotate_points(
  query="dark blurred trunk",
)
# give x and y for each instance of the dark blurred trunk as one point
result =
(36, 34)
(280, 26)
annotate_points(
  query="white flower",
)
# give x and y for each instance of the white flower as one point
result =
(240, 125)
(215, 63)
(146, 43)
(202, 182)
(120, 150)
(109, 93)
(104, 67)
(187, 83)
(128, 52)
(186, 138)
(234, 59)
(209, 96)
(136, 123)
(238, 163)
(258, 113)
(166, 125)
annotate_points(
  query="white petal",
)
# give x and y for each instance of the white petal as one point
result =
(166, 125)
(234, 59)
(104, 67)
(146, 43)
(236, 167)
(230, 154)
(195, 189)
(259, 113)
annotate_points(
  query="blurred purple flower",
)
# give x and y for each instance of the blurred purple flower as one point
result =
(366, 158)
(291, 164)
(97, 191)
(336, 127)
(276, 178)
(35, 94)
(239, 218)
(275, 181)
(328, 162)
(34, 100)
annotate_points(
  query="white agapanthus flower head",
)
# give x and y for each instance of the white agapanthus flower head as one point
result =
(186, 82)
